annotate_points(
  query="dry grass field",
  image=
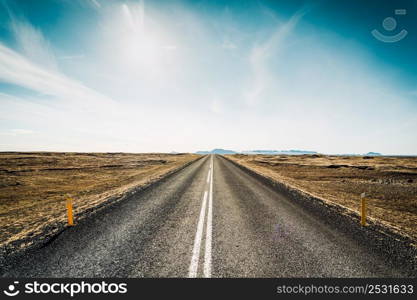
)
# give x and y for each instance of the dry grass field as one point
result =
(34, 186)
(389, 182)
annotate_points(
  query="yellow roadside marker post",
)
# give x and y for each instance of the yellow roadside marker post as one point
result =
(69, 212)
(363, 209)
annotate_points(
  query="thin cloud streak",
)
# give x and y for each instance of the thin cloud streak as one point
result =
(32, 44)
(16, 132)
(16, 69)
(35, 66)
(260, 54)
(95, 3)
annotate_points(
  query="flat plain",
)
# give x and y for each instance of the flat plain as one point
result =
(34, 186)
(390, 183)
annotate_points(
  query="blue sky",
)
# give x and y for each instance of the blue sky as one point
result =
(142, 76)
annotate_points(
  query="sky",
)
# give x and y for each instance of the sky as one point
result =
(162, 76)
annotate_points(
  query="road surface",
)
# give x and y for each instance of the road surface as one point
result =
(210, 219)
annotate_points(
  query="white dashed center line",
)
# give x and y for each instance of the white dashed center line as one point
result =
(193, 270)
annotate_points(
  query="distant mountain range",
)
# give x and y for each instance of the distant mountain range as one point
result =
(217, 151)
(277, 152)
(272, 152)
(373, 154)
(366, 154)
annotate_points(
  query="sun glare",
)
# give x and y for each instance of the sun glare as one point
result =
(142, 45)
(141, 51)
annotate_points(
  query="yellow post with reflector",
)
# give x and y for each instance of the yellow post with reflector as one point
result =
(363, 209)
(69, 212)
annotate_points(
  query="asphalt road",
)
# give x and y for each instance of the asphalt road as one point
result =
(211, 219)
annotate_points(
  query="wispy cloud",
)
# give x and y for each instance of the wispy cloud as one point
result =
(135, 16)
(34, 66)
(260, 54)
(15, 132)
(32, 44)
(18, 70)
(95, 3)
